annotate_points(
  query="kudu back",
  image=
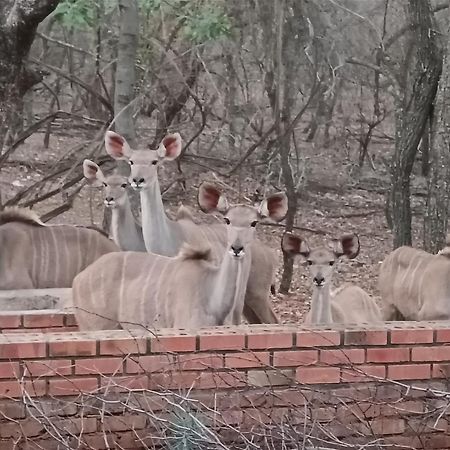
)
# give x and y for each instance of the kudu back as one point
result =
(35, 255)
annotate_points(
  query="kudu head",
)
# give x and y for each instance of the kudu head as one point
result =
(115, 186)
(240, 219)
(143, 163)
(321, 261)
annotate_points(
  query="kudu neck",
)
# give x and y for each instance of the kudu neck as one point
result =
(124, 228)
(228, 285)
(161, 235)
(321, 304)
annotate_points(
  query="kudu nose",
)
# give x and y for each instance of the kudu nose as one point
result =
(109, 199)
(138, 181)
(319, 280)
(237, 249)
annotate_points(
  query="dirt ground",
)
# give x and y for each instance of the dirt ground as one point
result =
(336, 199)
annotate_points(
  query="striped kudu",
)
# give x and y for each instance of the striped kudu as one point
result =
(125, 231)
(347, 304)
(165, 237)
(35, 255)
(131, 289)
(415, 285)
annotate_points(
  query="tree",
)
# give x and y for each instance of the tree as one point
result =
(18, 23)
(422, 71)
(436, 214)
(125, 78)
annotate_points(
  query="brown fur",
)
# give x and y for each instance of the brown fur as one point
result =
(21, 215)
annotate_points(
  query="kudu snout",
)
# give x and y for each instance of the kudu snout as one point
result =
(137, 182)
(319, 280)
(237, 250)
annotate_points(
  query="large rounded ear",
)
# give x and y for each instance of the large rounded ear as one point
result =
(347, 245)
(93, 173)
(211, 199)
(170, 147)
(275, 206)
(117, 146)
(294, 245)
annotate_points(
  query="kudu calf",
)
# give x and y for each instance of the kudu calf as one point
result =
(347, 304)
(125, 231)
(131, 289)
(415, 285)
(165, 237)
(35, 255)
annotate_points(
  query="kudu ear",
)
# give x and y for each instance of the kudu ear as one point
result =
(294, 245)
(347, 245)
(211, 199)
(93, 173)
(117, 146)
(170, 147)
(274, 207)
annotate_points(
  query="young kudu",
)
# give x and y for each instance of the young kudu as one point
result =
(35, 255)
(130, 289)
(165, 237)
(414, 285)
(347, 304)
(125, 231)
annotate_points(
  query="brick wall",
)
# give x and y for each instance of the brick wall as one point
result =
(251, 385)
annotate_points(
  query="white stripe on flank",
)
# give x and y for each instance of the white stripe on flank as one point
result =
(55, 256)
(159, 280)
(144, 290)
(78, 248)
(122, 281)
(66, 261)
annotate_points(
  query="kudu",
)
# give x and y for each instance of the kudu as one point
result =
(347, 304)
(125, 231)
(414, 285)
(165, 237)
(35, 255)
(131, 289)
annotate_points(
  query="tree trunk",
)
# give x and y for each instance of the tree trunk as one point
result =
(436, 214)
(412, 111)
(125, 69)
(18, 23)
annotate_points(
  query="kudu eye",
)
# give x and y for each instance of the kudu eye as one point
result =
(331, 263)
(309, 262)
(254, 223)
(227, 220)
(154, 162)
(124, 185)
(105, 184)
(130, 162)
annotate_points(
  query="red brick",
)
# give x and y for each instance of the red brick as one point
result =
(76, 425)
(418, 336)
(222, 342)
(367, 337)
(443, 335)
(12, 409)
(22, 350)
(123, 346)
(124, 383)
(122, 423)
(9, 370)
(48, 367)
(342, 356)
(363, 373)
(247, 359)
(35, 388)
(400, 354)
(293, 358)
(270, 340)
(149, 363)
(28, 428)
(403, 408)
(322, 338)
(219, 380)
(10, 321)
(389, 425)
(441, 371)
(409, 372)
(72, 386)
(173, 344)
(199, 362)
(43, 320)
(103, 366)
(347, 413)
(441, 353)
(318, 375)
(72, 348)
